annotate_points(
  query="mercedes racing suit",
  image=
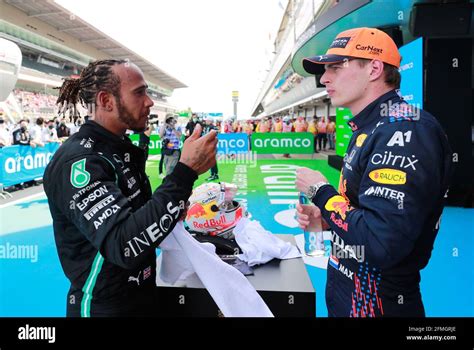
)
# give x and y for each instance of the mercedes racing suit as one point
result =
(107, 223)
(385, 215)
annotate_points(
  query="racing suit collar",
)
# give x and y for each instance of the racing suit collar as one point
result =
(371, 113)
(97, 129)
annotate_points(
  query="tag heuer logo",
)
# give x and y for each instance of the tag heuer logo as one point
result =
(79, 176)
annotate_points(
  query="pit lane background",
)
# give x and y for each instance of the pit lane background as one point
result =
(38, 288)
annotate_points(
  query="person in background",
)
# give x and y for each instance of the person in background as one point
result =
(287, 127)
(264, 125)
(49, 133)
(189, 129)
(162, 157)
(228, 126)
(144, 139)
(63, 131)
(5, 135)
(300, 124)
(313, 128)
(322, 133)
(248, 129)
(171, 137)
(331, 130)
(208, 128)
(236, 124)
(36, 132)
(21, 136)
(277, 125)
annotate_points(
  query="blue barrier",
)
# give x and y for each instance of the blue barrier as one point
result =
(23, 163)
(232, 143)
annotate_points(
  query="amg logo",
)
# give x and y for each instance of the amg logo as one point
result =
(37, 333)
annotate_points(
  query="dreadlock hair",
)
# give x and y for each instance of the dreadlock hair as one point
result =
(97, 76)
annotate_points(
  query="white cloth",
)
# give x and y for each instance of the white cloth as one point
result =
(182, 256)
(259, 245)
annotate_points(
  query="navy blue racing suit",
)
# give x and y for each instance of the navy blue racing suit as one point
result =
(385, 215)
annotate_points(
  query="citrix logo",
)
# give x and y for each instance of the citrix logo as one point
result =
(388, 158)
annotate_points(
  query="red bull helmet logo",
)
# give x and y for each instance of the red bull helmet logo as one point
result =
(213, 211)
(339, 205)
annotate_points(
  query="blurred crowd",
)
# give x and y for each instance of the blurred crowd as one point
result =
(38, 132)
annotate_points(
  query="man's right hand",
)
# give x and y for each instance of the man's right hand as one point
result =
(309, 217)
(199, 153)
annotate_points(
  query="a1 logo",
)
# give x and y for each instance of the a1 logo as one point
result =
(80, 177)
(399, 139)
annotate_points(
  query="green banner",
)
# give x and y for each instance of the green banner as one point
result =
(282, 143)
(155, 143)
(343, 131)
(186, 114)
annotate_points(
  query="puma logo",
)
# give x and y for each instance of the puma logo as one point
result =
(136, 279)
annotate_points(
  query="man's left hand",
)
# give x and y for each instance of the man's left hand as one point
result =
(306, 177)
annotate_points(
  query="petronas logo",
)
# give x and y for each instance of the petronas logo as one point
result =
(79, 176)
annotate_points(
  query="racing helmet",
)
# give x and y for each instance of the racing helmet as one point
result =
(213, 213)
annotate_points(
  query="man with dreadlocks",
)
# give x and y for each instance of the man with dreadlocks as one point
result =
(106, 221)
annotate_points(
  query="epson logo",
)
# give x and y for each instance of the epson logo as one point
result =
(92, 197)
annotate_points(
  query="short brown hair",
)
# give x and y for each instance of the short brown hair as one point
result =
(391, 73)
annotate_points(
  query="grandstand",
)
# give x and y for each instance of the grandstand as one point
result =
(56, 44)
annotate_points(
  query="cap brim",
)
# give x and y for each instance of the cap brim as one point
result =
(315, 65)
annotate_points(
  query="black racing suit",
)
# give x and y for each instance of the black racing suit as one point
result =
(107, 223)
(385, 216)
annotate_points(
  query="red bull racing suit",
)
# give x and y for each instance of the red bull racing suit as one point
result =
(385, 216)
(107, 223)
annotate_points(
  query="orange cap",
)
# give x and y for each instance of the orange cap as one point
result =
(369, 43)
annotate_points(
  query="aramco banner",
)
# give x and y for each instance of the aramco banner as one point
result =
(24, 163)
(282, 143)
(227, 144)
